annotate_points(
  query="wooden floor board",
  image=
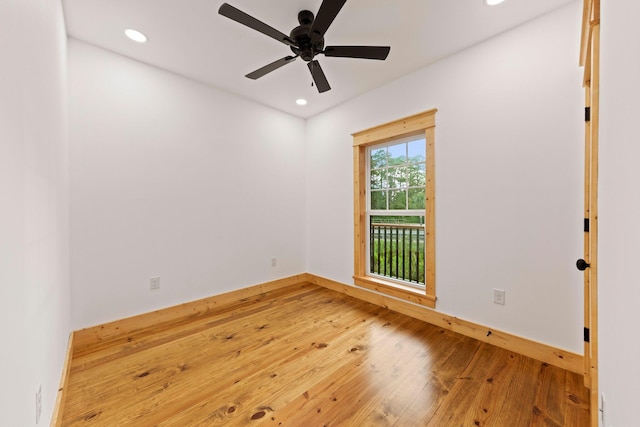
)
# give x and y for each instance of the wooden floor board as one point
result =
(309, 356)
(294, 369)
(159, 334)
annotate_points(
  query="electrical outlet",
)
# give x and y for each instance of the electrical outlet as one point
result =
(38, 403)
(154, 283)
(274, 262)
(498, 296)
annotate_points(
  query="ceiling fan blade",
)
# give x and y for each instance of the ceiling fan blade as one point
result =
(318, 76)
(251, 22)
(326, 14)
(271, 67)
(364, 52)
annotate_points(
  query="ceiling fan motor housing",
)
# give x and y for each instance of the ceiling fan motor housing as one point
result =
(308, 47)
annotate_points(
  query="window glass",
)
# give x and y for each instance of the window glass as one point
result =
(397, 178)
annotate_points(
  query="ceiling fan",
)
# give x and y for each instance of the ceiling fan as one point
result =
(306, 40)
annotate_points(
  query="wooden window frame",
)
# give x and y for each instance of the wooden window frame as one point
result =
(422, 124)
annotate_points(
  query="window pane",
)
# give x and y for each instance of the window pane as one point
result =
(403, 174)
(417, 175)
(397, 177)
(396, 248)
(384, 178)
(378, 158)
(417, 150)
(397, 154)
(398, 199)
(377, 178)
(416, 198)
(379, 200)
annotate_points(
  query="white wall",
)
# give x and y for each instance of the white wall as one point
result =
(619, 207)
(509, 153)
(175, 179)
(34, 273)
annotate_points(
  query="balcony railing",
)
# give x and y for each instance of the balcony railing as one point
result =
(397, 251)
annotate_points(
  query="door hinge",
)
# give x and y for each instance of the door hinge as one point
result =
(586, 335)
(586, 225)
(587, 114)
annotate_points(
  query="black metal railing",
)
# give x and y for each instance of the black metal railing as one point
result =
(397, 251)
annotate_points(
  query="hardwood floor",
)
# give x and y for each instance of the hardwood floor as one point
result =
(308, 356)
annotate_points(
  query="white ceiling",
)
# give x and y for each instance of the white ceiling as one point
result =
(190, 38)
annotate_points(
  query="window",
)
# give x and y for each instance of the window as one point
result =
(394, 218)
(395, 210)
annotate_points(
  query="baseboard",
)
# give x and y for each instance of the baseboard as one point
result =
(112, 330)
(56, 418)
(545, 353)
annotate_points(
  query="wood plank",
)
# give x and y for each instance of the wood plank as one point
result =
(456, 353)
(406, 401)
(590, 59)
(317, 355)
(381, 393)
(139, 339)
(593, 250)
(478, 379)
(586, 29)
(359, 209)
(549, 404)
(167, 368)
(586, 78)
(545, 353)
(89, 336)
(430, 215)
(577, 398)
(412, 125)
(309, 356)
(159, 377)
(291, 390)
(587, 236)
(416, 296)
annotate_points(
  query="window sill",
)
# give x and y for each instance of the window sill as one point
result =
(396, 290)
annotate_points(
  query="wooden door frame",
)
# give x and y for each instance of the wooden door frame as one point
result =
(590, 59)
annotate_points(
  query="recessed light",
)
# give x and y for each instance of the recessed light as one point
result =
(135, 35)
(301, 101)
(493, 2)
